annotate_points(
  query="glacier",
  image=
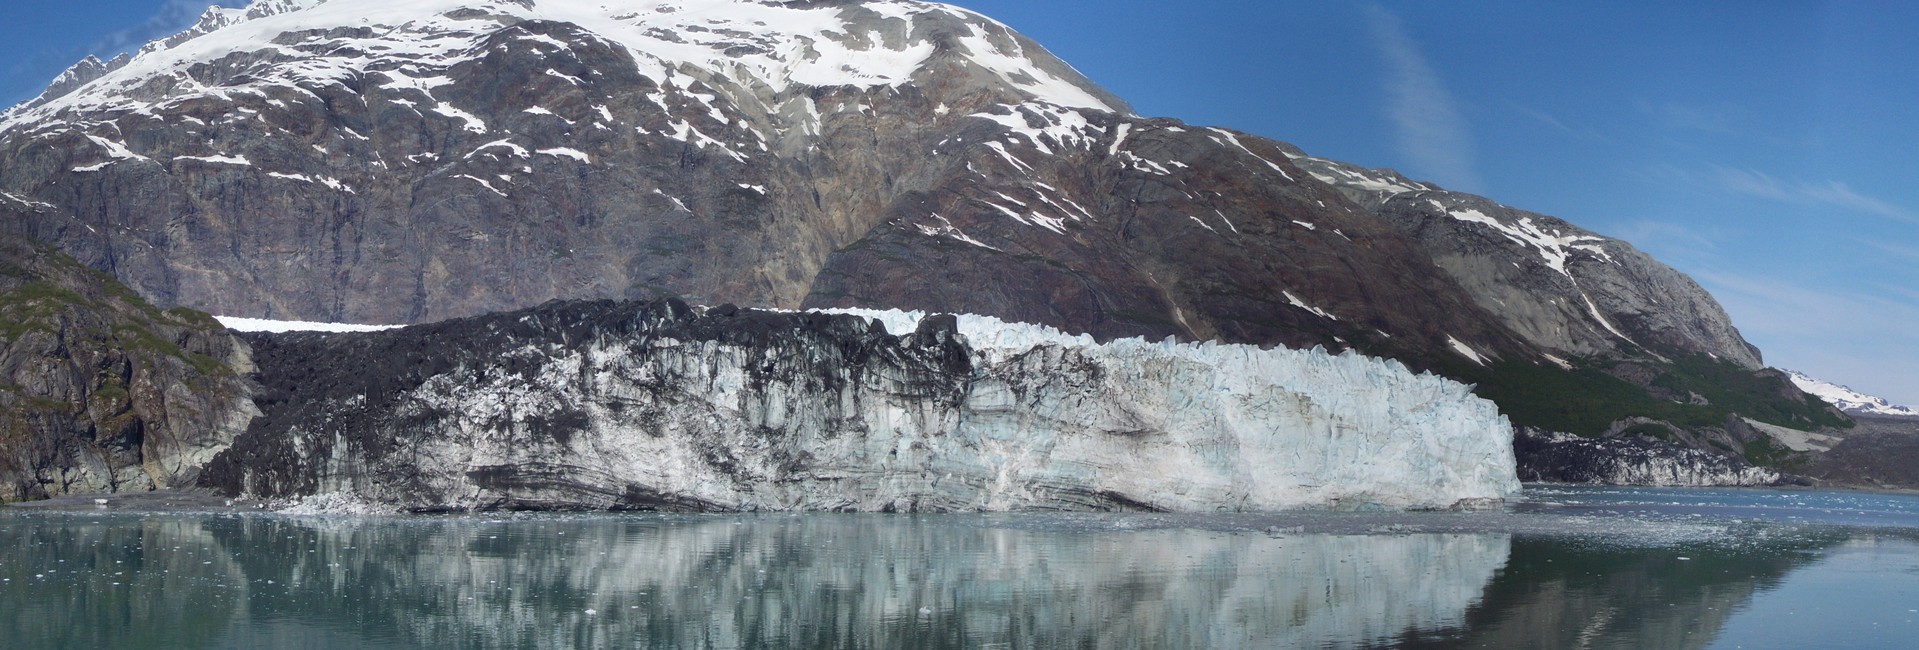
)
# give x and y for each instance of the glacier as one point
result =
(663, 406)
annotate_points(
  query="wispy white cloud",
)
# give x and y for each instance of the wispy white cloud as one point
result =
(1646, 233)
(1909, 252)
(1721, 119)
(1753, 183)
(1832, 193)
(1426, 119)
(1548, 119)
(1734, 121)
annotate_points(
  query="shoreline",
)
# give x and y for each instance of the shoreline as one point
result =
(202, 500)
(188, 500)
(1632, 522)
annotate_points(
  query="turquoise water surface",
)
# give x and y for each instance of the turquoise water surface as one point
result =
(1570, 567)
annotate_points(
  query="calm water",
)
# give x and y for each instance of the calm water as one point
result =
(1598, 568)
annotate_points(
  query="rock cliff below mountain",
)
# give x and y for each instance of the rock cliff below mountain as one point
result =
(100, 391)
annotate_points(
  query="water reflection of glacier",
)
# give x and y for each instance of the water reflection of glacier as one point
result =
(774, 581)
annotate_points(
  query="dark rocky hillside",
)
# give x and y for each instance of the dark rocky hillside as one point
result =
(101, 391)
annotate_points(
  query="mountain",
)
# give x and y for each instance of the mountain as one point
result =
(362, 161)
(1849, 400)
(101, 391)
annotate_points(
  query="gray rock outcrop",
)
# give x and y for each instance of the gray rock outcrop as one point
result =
(102, 392)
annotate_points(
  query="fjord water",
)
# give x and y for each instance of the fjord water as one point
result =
(1638, 568)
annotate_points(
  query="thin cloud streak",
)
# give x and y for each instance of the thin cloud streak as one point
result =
(1832, 193)
(1909, 252)
(1757, 184)
(1645, 233)
(1542, 117)
(1425, 117)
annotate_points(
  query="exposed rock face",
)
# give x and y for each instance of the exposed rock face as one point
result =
(450, 158)
(290, 161)
(1883, 451)
(1570, 292)
(100, 391)
(1550, 457)
(626, 406)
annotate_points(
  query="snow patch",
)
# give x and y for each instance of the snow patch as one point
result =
(1341, 174)
(242, 324)
(1228, 138)
(518, 151)
(1296, 302)
(1554, 248)
(948, 230)
(483, 182)
(1058, 126)
(1465, 350)
(471, 122)
(563, 152)
(328, 181)
(217, 159)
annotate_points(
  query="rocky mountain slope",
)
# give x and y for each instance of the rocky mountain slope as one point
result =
(101, 391)
(362, 161)
(660, 406)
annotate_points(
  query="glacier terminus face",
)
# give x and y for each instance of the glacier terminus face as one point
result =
(662, 406)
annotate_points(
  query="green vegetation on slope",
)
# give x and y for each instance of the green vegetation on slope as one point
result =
(1587, 400)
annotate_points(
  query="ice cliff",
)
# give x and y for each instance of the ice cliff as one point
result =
(623, 405)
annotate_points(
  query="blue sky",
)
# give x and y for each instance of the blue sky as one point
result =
(1768, 149)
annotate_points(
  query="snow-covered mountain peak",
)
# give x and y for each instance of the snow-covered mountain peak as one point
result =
(1847, 399)
(767, 46)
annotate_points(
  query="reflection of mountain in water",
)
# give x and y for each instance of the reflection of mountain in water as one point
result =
(77, 582)
(861, 581)
(1567, 594)
(775, 581)
(847, 581)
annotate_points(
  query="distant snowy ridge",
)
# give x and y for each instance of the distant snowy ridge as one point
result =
(1847, 399)
(239, 324)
